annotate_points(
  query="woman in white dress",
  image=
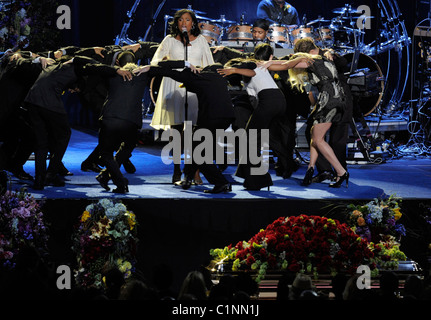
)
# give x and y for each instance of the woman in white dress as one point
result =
(169, 110)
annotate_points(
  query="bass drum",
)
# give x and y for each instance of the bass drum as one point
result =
(367, 90)
(211, 32)
(240, 32)
(155, 87)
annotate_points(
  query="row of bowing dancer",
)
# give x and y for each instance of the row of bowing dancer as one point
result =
(223, 88)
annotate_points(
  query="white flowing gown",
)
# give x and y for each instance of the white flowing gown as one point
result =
(170, 104)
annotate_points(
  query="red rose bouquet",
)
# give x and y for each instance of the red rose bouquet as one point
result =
(310, 244)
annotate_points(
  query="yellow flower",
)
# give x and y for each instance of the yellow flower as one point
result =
(131, 219)
(397, 213)
(85, 216)
(276, 76)
(124, 266)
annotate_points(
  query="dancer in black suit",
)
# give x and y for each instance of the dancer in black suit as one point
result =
(122, 117)
(18, 75)
(94, 95)
(215, 111)
(48, 116)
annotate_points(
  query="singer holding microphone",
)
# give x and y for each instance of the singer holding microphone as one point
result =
(184, 42)
(278, 12)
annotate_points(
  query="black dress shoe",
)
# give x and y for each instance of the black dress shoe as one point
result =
(256, 188)
(129, 167)
(221, 188)
(322, 176)
(64, 171)
(21, 174)
(54, 180)
(90, 166)
(176, 177)
(185, 184)
(123, 188)
(103, 179)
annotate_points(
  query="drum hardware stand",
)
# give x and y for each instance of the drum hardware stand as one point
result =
(362, 146)
(122, 37)
(153, 21)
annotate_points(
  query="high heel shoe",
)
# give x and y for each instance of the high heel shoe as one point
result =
(221, 188)
(308, 178)
(340, 181)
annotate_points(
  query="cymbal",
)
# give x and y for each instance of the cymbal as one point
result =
(223, 21)
(195, 11)
(344, 10)
(317, 20)
(355, 18)
(202, 18)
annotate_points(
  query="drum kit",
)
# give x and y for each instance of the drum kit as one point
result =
(326, 33)
(342, 33)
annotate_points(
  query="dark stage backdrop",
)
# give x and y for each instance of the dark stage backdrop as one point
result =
(98, 22)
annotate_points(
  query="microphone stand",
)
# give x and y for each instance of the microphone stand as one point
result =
(186, 104)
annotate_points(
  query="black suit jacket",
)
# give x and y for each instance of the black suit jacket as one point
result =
(46, 92)
(214, 100)
(18, 77)
(124, 99)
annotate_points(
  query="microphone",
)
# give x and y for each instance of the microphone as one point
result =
(185, 34)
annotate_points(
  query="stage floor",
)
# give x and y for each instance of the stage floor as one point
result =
(408, 177)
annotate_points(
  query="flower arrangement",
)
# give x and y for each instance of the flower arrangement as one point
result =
(378, 222)
(29, 24)
(377, 219)
(15, 25)
(21, 225)
(309, 244)
(106, 235)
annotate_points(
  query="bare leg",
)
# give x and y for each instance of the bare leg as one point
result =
(318, 142)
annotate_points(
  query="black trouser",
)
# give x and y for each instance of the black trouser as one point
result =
(52, 132)
(269, 114)
(210, 171)
(116, 135)
(19, 142)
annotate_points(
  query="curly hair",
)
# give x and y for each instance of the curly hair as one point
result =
(304, 45)
(299, 76)
(175, 31)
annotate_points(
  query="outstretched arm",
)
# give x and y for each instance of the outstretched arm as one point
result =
(229, 71)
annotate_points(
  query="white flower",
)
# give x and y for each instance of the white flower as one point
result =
(121, 208)
(111, 213)
(106, 203)
(21, 13)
